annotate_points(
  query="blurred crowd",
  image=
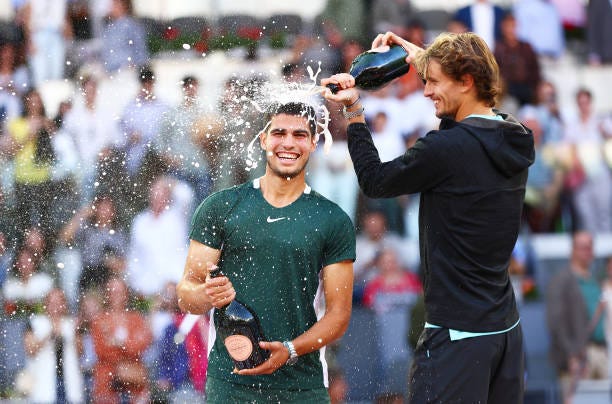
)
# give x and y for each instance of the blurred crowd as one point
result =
(95, 208)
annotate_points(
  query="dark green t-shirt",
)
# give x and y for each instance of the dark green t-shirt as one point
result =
(274, 256)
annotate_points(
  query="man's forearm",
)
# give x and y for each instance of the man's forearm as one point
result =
(325, 331)
(191, 298)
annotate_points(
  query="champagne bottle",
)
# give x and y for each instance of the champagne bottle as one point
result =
(375, 68)
(239, 329)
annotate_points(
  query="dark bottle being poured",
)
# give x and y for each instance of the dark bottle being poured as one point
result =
(239, 329)
(375, 68)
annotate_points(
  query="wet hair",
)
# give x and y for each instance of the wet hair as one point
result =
(296, 109)
(461, 54)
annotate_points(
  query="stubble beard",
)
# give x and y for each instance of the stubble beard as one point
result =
(287, 175)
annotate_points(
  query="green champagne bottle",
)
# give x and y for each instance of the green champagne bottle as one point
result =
(238, 327)
(377, 67)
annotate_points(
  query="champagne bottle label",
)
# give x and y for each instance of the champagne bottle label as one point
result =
(239, 347)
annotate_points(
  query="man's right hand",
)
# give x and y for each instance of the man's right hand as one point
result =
(347, 94)
(219, 290)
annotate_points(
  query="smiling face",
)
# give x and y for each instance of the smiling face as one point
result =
(461, 74)
(445, 92)
(288, 144)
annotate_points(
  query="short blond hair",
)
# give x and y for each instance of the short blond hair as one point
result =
(460, 54)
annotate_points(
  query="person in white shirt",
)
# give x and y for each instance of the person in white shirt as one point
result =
(159, 237)
(23, 293)
(388, 141)
(586, 132)
(539, 23)
(483, 18)
(45, 35)
(52, 362)
(93, 131)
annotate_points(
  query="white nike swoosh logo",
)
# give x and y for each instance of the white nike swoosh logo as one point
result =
(270, 220)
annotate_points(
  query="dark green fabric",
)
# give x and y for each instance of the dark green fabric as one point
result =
(219, 391)
(273, 257)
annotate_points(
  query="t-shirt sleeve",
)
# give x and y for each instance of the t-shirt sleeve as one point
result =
(206, 223)
(340, 245)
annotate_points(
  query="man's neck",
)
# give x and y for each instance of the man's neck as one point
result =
(280, 192)
(473, 108)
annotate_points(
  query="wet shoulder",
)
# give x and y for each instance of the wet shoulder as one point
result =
(228, 197)
(324, 206)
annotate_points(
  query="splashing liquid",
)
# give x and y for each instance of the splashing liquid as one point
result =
(309, 94)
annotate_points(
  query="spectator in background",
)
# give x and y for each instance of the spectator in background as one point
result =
(33, 156)
(545, 180)
(391, 295)
(599, 31)
(23, 293)
(6, 255)
(332, 173)
(47, 30)
(14, 81)
(177, 142)
(100, 240)
(577, 349)
(546, 108)
(90, 308)
(387, 140)
(65, 170)
(14, 75)
(350, 49)
(99, 11)
(141, 121)
(120, 337)
(379, 100)
(53, 362)
(158, 238)
(92, 131)
(35, 240)
(410, 98)
(593, 195)
(338, 386)
(540, 25)
(181, 354)
(228, 151)
(573, 17)
(483, 18)
(519, 66)
(26, 286)
(374, 236)
(393, 284)
(522, 269)
(123, 39)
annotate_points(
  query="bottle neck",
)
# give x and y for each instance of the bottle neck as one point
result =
(215, 272)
